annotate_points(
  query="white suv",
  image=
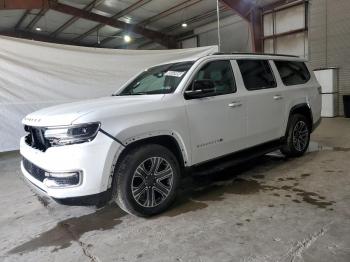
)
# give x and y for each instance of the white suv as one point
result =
(133, 146)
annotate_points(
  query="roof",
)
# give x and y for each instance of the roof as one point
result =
(238, 56)
(262, 56)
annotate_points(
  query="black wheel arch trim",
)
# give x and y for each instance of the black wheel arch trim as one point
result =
(295, 108)
(157, 139)
(110, 136)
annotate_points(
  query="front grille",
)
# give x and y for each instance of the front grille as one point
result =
(34, 170)
(36, 138)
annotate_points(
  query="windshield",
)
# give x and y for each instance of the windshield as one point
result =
(162, 79)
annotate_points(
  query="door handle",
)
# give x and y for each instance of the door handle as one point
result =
(235, 104)
(277, 97)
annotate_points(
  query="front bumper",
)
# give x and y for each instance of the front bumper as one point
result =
(94, 159)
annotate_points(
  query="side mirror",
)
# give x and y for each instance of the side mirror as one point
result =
(200, 88)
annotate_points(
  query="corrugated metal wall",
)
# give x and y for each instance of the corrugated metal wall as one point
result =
(284, 21)
(235, 34)
(329, 40)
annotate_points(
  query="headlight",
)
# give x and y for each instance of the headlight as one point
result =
(67, 135)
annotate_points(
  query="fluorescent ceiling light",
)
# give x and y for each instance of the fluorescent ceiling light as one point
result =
(38, 29)
(184, 25)
(127, 38)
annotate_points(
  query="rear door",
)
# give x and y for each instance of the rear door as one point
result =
(217, 122)
(265, 101)
(301, 87)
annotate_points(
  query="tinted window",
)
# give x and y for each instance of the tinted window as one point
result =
(257, 74)
(293, 73)
(220, 72)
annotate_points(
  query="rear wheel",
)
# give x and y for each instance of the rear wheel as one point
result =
(146, 179)
(298, 136)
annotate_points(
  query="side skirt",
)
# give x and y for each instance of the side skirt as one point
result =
(224, 162)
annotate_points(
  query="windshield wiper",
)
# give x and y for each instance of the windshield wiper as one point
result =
(140, 93)
(131, 94)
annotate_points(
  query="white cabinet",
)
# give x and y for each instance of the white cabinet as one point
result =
(328, 79)
(329, 105)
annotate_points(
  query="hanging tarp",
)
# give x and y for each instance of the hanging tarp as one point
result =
(34, 75)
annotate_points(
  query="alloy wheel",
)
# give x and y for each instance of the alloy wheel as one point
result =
(300, 136)
(152, 182)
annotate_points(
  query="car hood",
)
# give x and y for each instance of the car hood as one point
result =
(66, 114)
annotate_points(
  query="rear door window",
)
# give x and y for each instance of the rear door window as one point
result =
(257, 74)
(292, 72)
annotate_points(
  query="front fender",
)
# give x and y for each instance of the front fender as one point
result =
(132, 128)
(156, 133)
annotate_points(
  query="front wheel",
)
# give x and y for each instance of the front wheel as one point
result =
(298, 136)
(146, 179)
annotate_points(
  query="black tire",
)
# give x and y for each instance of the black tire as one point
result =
(297, 136)
(129, 169)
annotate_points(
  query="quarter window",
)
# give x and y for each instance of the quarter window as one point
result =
(257, 74)
(220, 72)
(293, 73)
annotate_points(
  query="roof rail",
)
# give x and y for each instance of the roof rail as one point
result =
(262, 54)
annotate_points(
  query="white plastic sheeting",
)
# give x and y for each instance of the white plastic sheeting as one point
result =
(34, 75)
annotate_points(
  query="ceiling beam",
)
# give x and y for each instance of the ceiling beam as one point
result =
(252, 14)
(155, 36)
(207, 15)
(158, 37)
(118, 15)
(23, 4)
(36, 19)
(170, 11)
(256, 24)
(110, 38)
(241, 7)
(281, 3)
(23, 17)
(72, 20)
(198, 18)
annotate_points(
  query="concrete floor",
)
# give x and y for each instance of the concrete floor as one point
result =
(270, 209)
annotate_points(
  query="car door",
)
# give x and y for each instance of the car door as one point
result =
(216, 122)
(265, 101)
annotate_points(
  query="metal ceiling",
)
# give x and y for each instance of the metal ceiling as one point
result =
(155, 15)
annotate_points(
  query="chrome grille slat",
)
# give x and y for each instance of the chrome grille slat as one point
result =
(36, 138)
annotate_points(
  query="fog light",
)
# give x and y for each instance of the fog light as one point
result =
(66, 179)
